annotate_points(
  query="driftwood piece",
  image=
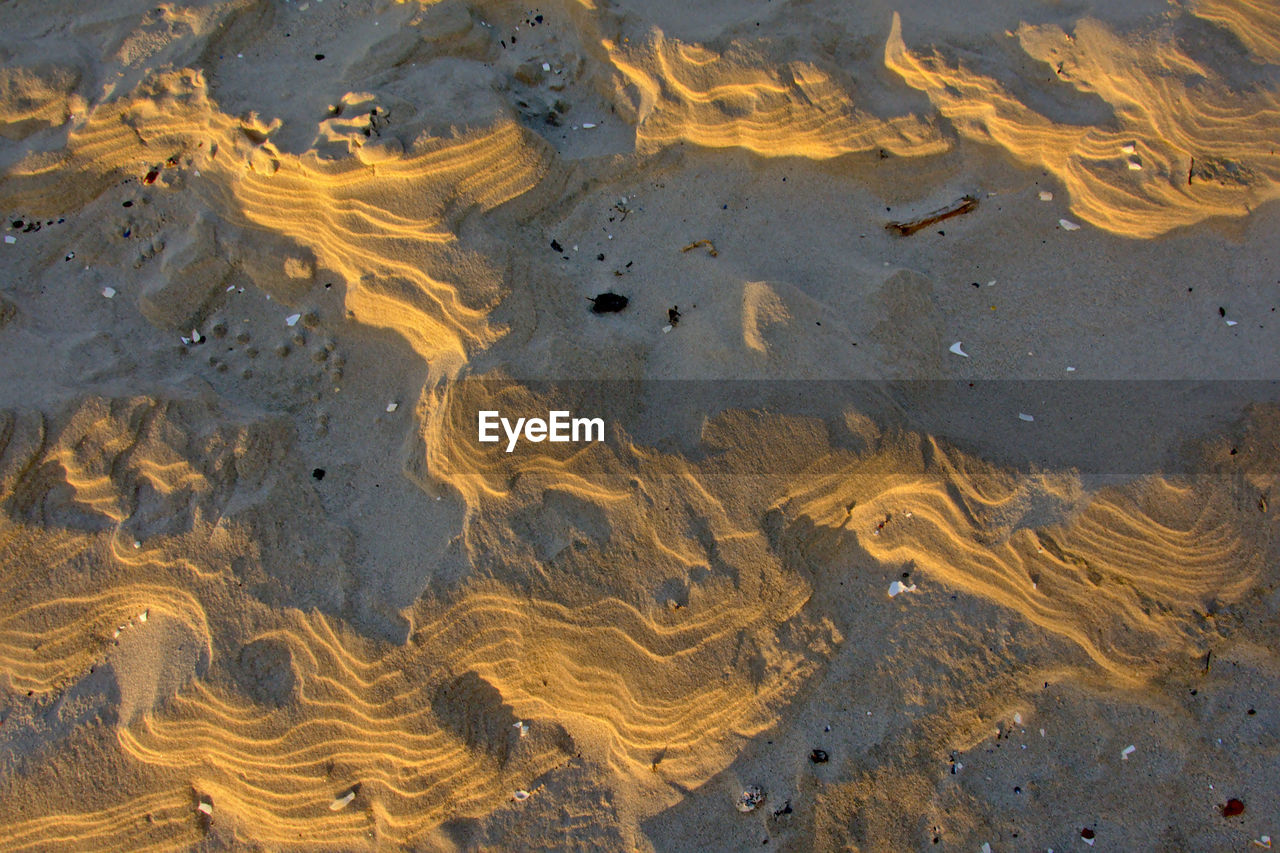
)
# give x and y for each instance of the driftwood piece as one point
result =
(910, 227)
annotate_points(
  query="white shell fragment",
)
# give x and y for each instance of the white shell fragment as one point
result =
(986, 848)
(392, 406)
(898, 587)
(1233, 322)
(1023, 416)
(522, 727)
(1068, 225)
(667, 328)
(1135, 166)
(958, 350)
(142, 617)
(586, 125)
(751, 797)
(1128, 148)
(292, 319)
(205, 806)
(1127, 751)
(9, 238)
(546, 66)
(1045, 195)
(109, 292)
(340, 803)
(521, 795)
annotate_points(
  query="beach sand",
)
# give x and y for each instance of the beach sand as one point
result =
(262, 587)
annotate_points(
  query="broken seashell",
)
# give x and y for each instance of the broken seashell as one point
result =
(898, 587)
(1068, 225)
(751, 797)
(340, 803)
(1023, 416)
(521, 795)
(958, 350)
(292, 319)
(1045, 195)
(109, 292)
(1127, 751)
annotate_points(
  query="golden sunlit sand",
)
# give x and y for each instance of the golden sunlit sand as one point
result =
(905, 531)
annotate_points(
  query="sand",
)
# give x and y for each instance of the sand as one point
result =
(264, 263)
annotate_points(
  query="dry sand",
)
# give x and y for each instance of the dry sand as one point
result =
(262, 588)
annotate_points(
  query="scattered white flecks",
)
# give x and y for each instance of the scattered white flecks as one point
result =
(1128, 148)
(230, 287)
(196, 173)
(586, 125)
(392, 406)
(109, 292)
(958, 349)
(1023, 416)
(520, 796)
(1068, 225)
(1135, 166)
(1045, 195)
(1017, 718)
(1042, 733)
(205, 806)
(9, 238)
(1070, 369)
(991, 283)
(1233, 322)
(292, 319)
(340, 803)
(186, 341)
(137, 543)
(196, 337)
(142, 617)
(898, 587)
(666, 328)
(546, 66)
(1127, 751)
(239, 56)
(575, 247)
(115, 635)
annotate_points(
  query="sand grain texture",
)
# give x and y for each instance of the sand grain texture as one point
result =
(262, 588)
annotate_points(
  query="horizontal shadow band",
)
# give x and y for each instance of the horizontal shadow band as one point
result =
(1102, 427)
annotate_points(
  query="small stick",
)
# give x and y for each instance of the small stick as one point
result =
(711, 249)
(906, 229)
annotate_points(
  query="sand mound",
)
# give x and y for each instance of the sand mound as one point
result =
(1181, 145)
